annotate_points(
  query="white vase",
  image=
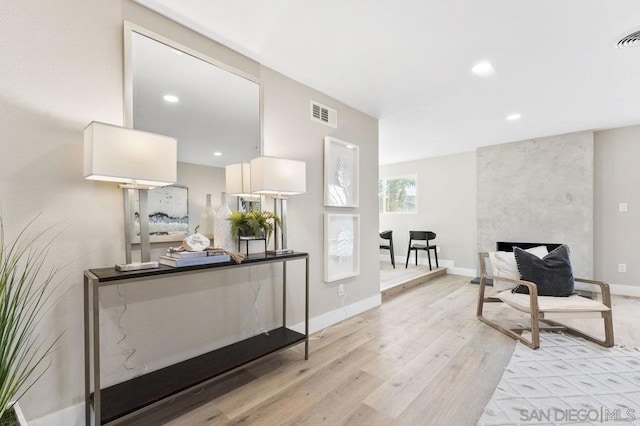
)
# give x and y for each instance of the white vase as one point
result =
(222, 226)
(207, 220)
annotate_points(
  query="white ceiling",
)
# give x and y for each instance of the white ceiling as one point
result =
(409, 62)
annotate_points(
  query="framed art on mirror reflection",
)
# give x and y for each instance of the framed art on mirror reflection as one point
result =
(248, 204)
(168, 214)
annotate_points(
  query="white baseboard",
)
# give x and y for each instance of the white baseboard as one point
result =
(465, 272)
(625, 290)
(449, 264)
(617, 289)
(70, 416)
(74, 415)
(333, 317)
(453, 270)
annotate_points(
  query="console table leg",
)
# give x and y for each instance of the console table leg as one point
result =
(306, 310)
(96, 353)
(87, 354)
(284, 294)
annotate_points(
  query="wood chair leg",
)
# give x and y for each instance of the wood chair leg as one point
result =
(535, 331)
(435, 252)
(534, 343)
(608, 340)
(429, 257)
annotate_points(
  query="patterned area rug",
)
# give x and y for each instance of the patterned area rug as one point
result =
(567, 381)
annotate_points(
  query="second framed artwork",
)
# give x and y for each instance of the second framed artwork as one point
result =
(342, 246)
(341, 171)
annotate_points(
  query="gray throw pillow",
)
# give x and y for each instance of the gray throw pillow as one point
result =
(553, 274)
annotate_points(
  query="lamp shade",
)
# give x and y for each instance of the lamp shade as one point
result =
(119, 154)
(238, 179)
(278, 176)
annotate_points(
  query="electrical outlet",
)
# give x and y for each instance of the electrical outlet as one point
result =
(341, 290)
(622, 267)
(623, 207)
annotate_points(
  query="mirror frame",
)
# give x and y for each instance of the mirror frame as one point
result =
(128, 29)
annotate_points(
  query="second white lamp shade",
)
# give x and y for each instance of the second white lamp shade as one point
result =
(238, 179)
(119, 154)
(278, 176)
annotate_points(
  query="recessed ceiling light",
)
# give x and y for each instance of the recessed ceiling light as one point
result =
(512, 117)
(171, 98)
(483, 69)
(217, 153)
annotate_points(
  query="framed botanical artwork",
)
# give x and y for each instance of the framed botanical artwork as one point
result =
(168, 214)
(341, 171)
(342, 246)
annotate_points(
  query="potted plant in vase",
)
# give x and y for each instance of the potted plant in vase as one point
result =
(254, 224)
(24, 291)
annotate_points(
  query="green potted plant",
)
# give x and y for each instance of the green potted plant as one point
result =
(25, 289)
(254, 224)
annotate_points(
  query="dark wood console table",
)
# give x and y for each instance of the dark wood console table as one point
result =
(118, 402)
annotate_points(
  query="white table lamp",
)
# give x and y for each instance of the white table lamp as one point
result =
(238, 180)
(138, 161)
(278, 177)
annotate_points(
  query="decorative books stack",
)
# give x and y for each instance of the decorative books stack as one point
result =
(193, 258)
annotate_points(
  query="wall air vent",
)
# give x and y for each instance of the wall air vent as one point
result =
(323, 114)
(629, 40)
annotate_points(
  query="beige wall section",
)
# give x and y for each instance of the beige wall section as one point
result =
(539, 190)
(61, 67)
(616, 181)
(288, 132)
(202, 180)
(446, 205)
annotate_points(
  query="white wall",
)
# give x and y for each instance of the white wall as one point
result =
(615, 177)
(446, 191)
(616, 181)
(60, 68)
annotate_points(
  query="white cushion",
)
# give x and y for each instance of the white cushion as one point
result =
(573, 304)
(503, 264)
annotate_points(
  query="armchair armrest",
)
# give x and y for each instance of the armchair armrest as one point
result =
(533, 290)
(604, 289)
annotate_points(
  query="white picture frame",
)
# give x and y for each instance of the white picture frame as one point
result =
(341, 173)
(342, 246)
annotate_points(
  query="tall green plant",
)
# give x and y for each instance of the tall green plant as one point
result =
(24, 291)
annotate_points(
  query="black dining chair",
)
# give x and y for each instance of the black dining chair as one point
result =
(388, 235)
(425, 236)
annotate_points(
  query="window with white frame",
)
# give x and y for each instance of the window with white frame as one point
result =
(398, 195)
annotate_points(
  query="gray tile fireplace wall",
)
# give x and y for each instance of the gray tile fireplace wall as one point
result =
(539, 190)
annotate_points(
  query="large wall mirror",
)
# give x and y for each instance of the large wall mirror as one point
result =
(213, 112)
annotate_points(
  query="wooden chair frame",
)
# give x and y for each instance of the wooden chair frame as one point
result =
(536, 316)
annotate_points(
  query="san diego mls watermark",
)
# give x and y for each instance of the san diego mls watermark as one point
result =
(597, 415)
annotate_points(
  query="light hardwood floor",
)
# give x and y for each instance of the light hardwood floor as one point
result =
(422, 358)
